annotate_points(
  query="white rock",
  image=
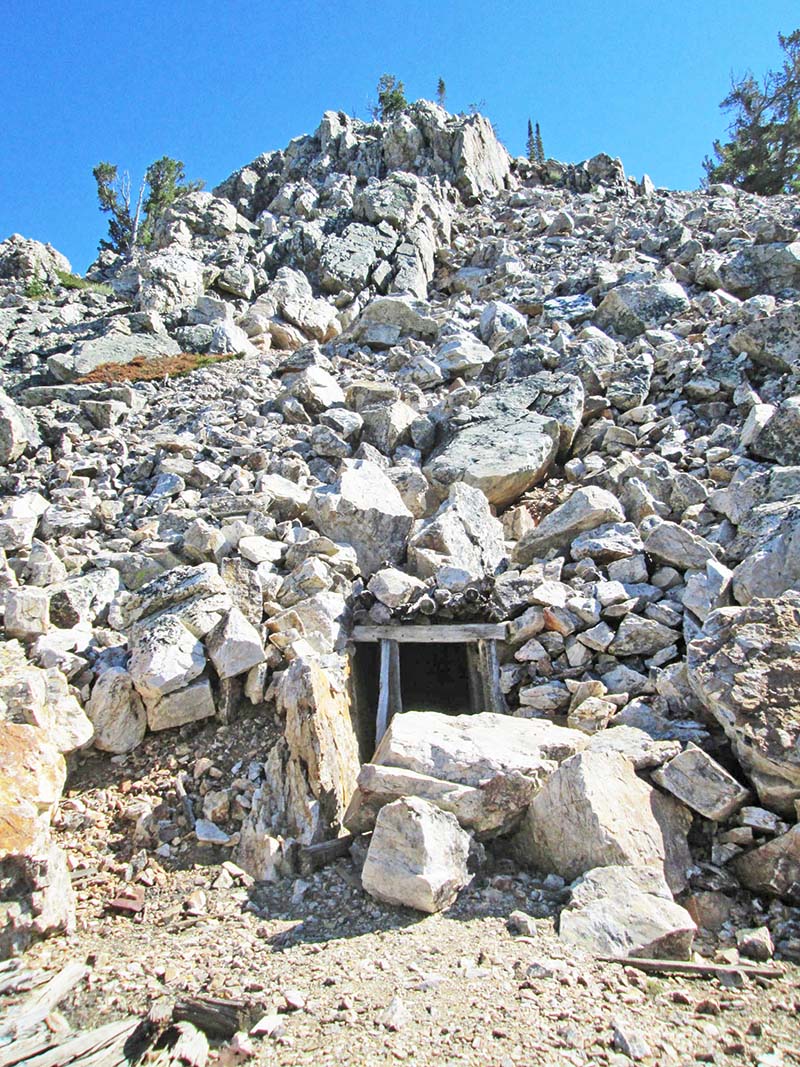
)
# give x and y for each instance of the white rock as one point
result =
(417, 856)
(234, 645)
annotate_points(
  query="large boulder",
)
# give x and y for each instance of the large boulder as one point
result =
(417, 856)
(363, 509)
(26, 260)
(18, 430)
(114, 346)
(595, 812)
(631, 309)
(483, 768)
(774, 868)
(745, 668)
(586, 509)
(761, 268)
(512, 438)
(779, 438)
(774, 341)
(311, 773)
(463, 534)
(626, 911)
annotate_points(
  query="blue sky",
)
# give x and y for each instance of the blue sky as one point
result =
(216, 82)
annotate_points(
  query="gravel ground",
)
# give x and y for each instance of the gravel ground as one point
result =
(350, 981)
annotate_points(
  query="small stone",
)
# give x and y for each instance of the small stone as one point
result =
(395, 1016)
(755, 944)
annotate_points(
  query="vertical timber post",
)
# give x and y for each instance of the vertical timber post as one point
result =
(490, 677)
(389, 695)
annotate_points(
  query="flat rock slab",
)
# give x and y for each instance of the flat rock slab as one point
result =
(417, 856)
(470, 749)
(512, 439)
(626, 911)
(702, 784)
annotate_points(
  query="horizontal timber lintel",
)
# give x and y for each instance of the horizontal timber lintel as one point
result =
(457, 634)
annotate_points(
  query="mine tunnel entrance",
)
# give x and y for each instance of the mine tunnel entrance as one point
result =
(451, 669)
(435, 678)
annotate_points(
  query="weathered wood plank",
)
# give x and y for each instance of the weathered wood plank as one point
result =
(38, 1005)
(105, 1045)
(490, 674)
(313, 857)
(692, 969)
(455, 634)
(217, 1017)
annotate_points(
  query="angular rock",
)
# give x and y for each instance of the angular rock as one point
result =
(311, 773)
(586, 509)
(512, 438)
(670, 543)
(463, 534)
(417, 856)
(699, 782)
(488, 810)
(363, 509)
(779, 438)
(594, 812)
(471, 749)
(774, 868)
(631, 309)
(166, 657)
(745, 668)
(234, 645)
(116, 712)
(626, 911)
(191, 704)
(18, 430)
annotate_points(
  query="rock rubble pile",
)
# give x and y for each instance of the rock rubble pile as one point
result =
(469, 389)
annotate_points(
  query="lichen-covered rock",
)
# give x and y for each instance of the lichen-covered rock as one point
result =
(745, 668)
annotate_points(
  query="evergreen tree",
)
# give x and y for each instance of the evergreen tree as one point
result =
(114, 196)
(441, 93)
(391, 98)
(530, 144)
(763, 155)
(133, 223)
(538, 147)
(166, 181)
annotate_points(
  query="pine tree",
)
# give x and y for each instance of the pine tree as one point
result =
(166, 181)
(115, 198)
(391, 98)
(530, 144)
(133, 223)
(763, 155)
(538, 147)
(441, 93)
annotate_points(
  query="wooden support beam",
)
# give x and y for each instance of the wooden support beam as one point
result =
(456, 634)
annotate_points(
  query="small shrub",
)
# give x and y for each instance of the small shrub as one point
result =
(74, 281)
(36, 288)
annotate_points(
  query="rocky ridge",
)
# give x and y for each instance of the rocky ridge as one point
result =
(470, 389)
